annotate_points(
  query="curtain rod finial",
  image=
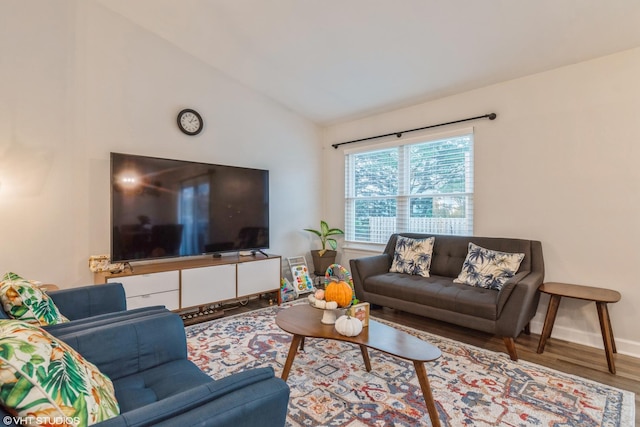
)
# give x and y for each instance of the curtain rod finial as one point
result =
(492, 116)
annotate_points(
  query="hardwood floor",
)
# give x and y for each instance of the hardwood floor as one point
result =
(576, 359)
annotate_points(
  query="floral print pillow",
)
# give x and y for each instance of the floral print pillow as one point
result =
(44, 377)
(24, 300)
(489, 269)
(413, 256)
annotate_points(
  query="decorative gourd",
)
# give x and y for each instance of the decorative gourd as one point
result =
(339, 292)
(331, 305)
(319, 294)
(320, 303)
(348, 326)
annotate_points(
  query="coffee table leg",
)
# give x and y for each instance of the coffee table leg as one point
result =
(295, 342)
(365, 357)
(549, 320)
(607, 334)
(421, 372)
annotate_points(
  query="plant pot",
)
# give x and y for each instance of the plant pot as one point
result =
(321, 263)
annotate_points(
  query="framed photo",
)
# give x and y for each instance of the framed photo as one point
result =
(360, 311)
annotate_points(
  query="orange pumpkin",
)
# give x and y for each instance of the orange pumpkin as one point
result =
(339, 292)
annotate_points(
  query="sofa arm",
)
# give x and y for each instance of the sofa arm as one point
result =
(88, 301)
(248, 398)
(125, 348)
(521, 305)
(362, 268)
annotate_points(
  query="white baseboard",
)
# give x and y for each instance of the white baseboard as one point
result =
(590, 339)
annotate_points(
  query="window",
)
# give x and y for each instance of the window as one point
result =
(422, 186)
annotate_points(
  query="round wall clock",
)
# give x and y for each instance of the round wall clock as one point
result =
(190, 122)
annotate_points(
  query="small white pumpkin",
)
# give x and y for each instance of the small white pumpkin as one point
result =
(311, 298)
(331, 305)
(320, 303)
(348, 326)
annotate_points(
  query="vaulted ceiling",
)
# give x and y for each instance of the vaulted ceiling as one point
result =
(332, 61)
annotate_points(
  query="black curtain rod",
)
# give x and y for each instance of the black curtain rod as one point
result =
(490, 116)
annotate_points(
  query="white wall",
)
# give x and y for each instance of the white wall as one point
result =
(560, 165)
(77, 82)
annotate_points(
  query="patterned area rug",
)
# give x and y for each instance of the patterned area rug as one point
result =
(471, 386)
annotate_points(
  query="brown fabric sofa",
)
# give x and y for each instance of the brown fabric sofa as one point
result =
(505, 313)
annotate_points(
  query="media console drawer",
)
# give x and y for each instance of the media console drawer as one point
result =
(170, 299)
(151, 283)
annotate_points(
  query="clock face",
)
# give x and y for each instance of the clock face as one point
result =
(190, 122)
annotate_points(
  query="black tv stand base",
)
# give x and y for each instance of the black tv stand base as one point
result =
(259, 251)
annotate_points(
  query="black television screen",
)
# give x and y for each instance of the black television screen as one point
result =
(170, 208)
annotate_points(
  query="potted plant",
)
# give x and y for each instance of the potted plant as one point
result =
(324, 257)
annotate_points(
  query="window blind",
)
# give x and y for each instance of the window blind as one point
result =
(422, 186)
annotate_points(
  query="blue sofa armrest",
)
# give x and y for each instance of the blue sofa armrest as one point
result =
(88, 301)
(248, 398)
(127, 347)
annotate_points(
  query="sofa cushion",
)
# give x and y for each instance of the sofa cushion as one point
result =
(440, 292)
(486, 268)
(24, 300)
(136, 344)
(160, 382)
(44, 377)
(449, 252)
(412, 256)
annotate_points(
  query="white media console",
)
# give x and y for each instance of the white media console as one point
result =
(191, 283)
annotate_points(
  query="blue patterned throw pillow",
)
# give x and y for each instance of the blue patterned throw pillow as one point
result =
(413, 256)
(486, 268)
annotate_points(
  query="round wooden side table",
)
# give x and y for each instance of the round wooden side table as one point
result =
(600, 296)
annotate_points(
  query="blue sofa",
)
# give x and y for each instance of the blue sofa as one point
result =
(144, 352)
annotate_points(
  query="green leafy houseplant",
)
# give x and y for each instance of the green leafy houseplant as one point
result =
(324, 234)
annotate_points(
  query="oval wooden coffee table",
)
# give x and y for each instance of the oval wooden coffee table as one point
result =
(304, 321)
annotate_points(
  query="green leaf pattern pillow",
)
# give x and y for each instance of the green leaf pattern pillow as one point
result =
(24, 300)
(489, 269)
(413, 256)
(41, 376)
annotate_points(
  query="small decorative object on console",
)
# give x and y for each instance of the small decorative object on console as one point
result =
(98, 263)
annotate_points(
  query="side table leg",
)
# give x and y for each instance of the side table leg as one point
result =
(549, 319)
(421, 372)
(295, 342)
(607, 334)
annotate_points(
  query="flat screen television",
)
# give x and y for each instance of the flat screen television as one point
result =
(173, 208)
